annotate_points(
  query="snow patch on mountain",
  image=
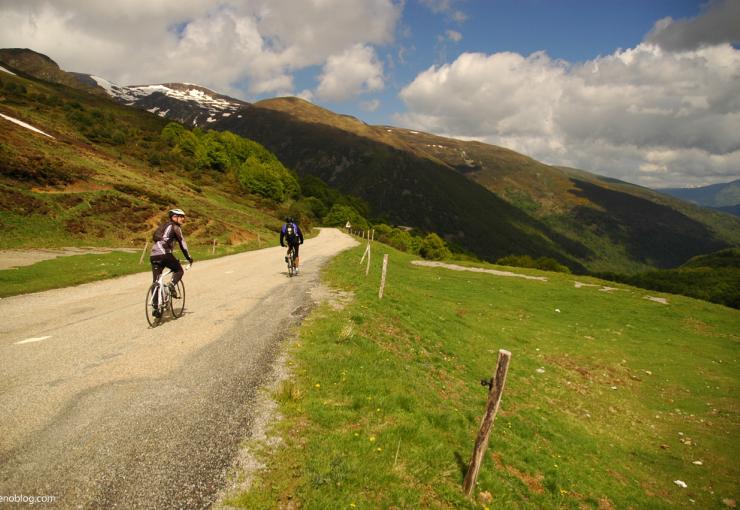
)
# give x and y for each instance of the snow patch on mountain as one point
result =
(9, 72)
(23, 124)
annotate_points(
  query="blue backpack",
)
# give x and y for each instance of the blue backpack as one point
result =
(290, 233)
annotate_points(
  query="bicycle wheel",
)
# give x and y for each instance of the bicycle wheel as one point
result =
(150, 308)
(177, 304)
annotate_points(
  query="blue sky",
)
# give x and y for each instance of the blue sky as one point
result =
(573, 30)
(644, 91)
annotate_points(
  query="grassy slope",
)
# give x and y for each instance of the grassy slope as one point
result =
(632, 393)
(78, 191)
(628, 227)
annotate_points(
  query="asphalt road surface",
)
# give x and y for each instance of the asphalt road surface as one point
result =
(101, 411)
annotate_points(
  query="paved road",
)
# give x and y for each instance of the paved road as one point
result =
(101, 411)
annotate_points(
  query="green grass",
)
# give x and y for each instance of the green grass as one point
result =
(77, 269)
(384, 402)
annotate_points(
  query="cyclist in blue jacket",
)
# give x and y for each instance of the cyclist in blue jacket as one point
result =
(291, 234)
(161, 255)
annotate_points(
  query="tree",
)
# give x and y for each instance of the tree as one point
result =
(340, 214)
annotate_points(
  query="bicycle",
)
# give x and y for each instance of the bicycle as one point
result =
(290, 259)
(159, 298)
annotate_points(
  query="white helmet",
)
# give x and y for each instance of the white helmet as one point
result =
(176, 212)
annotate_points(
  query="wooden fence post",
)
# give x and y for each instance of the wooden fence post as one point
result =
(367, 269)
(259, 241)
(496, 389)
(213, 251)
(146, 244)
(382, 276)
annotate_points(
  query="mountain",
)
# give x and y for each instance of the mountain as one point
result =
(78, 169)
(723, 196)
(37, 65)
(485, 199)
(488, 199)
(186, 103)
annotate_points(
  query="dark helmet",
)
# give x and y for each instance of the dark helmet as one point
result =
(289, 220)
(176, 212)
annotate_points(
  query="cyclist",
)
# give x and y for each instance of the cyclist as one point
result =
(161, 255)
(294, 237)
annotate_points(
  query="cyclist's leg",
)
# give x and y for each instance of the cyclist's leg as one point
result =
(295, 251)
(174, 265)
(157, 268)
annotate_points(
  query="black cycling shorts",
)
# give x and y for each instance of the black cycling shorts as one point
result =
(159, 262)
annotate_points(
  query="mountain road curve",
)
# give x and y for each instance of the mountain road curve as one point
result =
(98, 410)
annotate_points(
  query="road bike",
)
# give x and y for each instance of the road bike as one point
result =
(159, 299)
(290, 259)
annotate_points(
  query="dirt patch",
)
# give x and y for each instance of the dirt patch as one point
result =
(605, 504)
(533, 482)
(657, 299)
(18, 258)
(144, 194)
(698, 326)
(337, 299)
(75, 187)
(455, 267)
(603, 288)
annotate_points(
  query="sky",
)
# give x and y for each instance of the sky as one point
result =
(646, 91)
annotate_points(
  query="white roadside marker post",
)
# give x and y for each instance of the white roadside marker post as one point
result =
(382, 276)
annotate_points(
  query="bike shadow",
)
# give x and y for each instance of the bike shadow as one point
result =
(168, 317)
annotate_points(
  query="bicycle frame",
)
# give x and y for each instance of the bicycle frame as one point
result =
(163, 293)
(291, 260)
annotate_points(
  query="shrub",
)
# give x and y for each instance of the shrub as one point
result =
(433, 247)
(261, 180)
(543, 263)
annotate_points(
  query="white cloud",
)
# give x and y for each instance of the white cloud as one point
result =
(453, 35)
(306, 94)
(446, 7)
(350, 73)
(370, 106)
(238, 47)
(643, 114)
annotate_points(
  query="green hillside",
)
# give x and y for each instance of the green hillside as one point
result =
(600, 410)
(714, 277)
(625, 226)
(107, 174)
(486, 199)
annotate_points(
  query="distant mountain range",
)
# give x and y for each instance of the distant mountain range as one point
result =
(485, 199)
(723, 197)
